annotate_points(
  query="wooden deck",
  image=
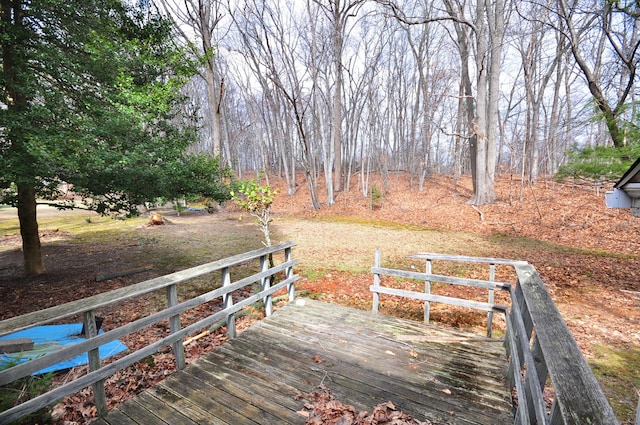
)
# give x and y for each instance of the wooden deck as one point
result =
(430, 372)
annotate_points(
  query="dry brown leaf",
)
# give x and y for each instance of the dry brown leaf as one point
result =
(303, 413)
(318, 359)
(323, 408)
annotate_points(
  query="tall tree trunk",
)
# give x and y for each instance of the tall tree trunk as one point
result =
(31, 248)
(488, 31)
(336, 121)
(202, 18)
(12, 15)
(337, 130)
(495, 13)
(457, 150)
(462, 34)
(554, 124)
(214, 96)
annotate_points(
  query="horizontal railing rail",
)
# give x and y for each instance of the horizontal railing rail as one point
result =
(430, 257)
(87, 306)
(428, 278)
(541, 350)
(377, 289)
(544, 352)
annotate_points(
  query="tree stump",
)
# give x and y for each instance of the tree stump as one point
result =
(156, 219)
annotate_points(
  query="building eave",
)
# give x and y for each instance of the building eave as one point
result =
(631, 176)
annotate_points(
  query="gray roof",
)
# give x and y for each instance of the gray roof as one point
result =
(631, 176)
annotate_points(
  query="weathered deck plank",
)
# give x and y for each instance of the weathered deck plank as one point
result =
(429, 372)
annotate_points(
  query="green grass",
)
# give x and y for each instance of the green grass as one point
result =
(619, 371)
(373, 223)
(98, 229)
(168, 248)
(313, 274)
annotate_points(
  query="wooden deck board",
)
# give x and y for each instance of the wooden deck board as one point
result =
(359, 366)
(430, 372)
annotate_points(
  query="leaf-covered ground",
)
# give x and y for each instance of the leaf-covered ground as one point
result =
(587, 255)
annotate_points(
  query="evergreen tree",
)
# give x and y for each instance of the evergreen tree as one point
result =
(604, 163)
(87, 96)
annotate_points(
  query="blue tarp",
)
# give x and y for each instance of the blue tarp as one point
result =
(50, 338)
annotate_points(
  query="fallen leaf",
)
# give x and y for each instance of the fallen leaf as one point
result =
(318, 359)
(446, 391)
(323, 408)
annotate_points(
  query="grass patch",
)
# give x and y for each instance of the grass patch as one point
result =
(349, 243)
(168, 249)
(618, 370)
(96, 229)
(374, 223)
(312, 274)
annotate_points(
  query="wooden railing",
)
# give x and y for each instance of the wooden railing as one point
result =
(428, 297)
(86, 307)
(542, 352)
(430, 257)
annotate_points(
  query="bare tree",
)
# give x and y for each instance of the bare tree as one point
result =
(614, 29)
(538, 69)
(337, 12)
(347, 86)
(315, 31)
(483, 29)
(486, 33)
(271, 43)
(429, 49)
(197, 22)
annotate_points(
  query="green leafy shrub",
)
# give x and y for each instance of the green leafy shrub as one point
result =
(256, 199)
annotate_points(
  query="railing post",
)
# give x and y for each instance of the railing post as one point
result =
(492, 278)
(228, 303)
(376, 282)
(427, 290)
(174, 325)
(289, 274)
(99, 396)
(555, 417)
(266, 283)
(540, 363)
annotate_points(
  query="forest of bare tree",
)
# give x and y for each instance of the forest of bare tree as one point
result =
(340, 89)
